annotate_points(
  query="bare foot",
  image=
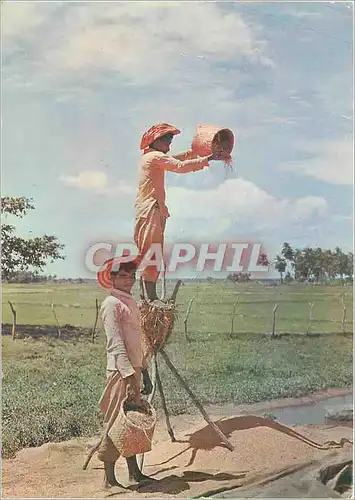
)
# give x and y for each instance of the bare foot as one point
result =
(107, 485)
(141, 479)
(110, 480)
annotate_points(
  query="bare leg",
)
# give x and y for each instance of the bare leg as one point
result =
(109, 476)
(135, 475)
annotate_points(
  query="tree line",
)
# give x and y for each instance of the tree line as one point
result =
(314, 264)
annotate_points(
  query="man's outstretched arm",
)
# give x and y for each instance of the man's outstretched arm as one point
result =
(170, 164)
(185, 155)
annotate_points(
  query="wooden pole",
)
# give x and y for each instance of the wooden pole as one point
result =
(55, 317)
(96, 318)
(274, 319)
(14, 316)
(187, 316)
(141, 288)
(150, 398)
(175, 291)
(184, 384)
(165, 408)
(91, 452)
(154, 378)
(163, 289)
(172, 301)
(311, 305)
(233, 315)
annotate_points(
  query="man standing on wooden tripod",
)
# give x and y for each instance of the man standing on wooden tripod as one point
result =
(151, 211)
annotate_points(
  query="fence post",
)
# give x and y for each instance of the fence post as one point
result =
(233, 314)
(96, 318)
(276, 306)
(14, 315)
(310, 319)
(343, 321)
(187, 316)
(55, 317)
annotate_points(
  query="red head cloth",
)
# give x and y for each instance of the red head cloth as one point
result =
(104, 275)
(155, 132)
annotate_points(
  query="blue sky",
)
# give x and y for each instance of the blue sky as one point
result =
(82, 82)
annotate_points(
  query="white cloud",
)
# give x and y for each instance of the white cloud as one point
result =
(23, 18)
(111, 37)
(332, 162)
(126, 37)
(237, 202)
(97, 181)
(88, 179)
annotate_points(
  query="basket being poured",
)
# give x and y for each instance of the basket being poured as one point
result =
(211, 139)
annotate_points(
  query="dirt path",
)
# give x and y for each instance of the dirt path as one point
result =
(195, 465)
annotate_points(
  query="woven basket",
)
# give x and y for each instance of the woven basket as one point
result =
(212, 139)
(132, 432)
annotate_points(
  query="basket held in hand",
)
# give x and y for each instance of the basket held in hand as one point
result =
(213, 139)
(132, 432)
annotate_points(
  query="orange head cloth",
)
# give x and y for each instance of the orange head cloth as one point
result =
(104, 275)
(155, 132)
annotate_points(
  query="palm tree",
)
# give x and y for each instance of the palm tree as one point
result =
(280, 266)
(288, 252)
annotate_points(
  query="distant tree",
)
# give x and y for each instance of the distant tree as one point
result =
(319, 265)
(29, 277)
(280, 266)
(329, 264)
(23, 277)
(263, 260)
(349, 269)
(343, 264)
(20, 254)
(288, 253)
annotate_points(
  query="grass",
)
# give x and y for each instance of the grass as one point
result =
(211, 310)
(51, 387)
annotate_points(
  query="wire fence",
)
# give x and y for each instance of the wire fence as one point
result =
(202, 311)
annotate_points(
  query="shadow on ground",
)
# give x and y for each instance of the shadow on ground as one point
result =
(38, 332)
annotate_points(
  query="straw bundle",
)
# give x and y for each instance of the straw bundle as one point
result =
(157, 320)
(132, 432)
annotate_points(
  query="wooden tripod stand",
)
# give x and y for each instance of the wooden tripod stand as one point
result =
(157, 383)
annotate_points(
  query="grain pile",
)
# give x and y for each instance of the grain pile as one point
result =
(139, 419)
(194, 466)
